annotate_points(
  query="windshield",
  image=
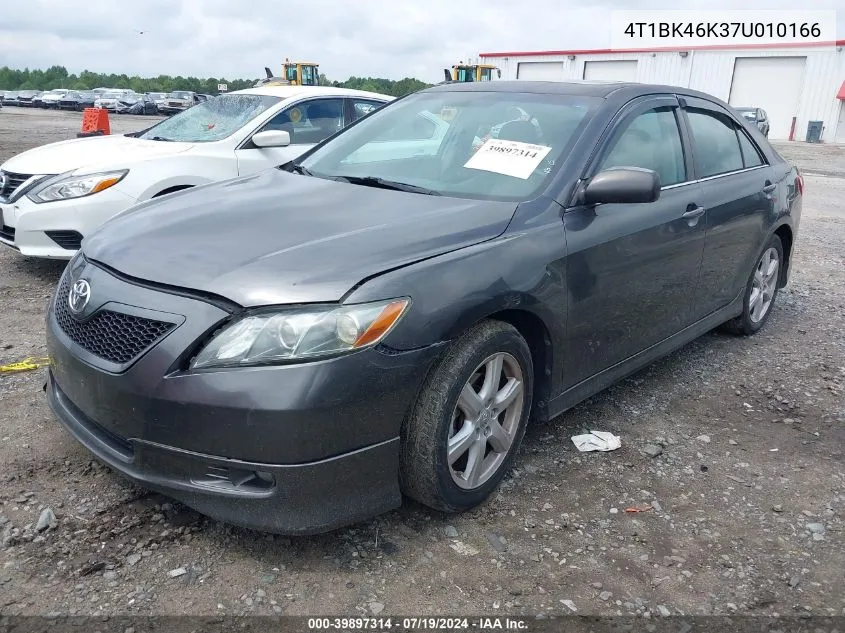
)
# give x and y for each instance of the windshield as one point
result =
(484, 145)
(211, 120)
(157, 95)
(57, 91)
(180, 95)
(113, 94)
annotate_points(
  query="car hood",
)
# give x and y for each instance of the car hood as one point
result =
(279, 238)
(95, 151)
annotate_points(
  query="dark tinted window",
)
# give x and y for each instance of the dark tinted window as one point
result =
(651, 141)
(716, 144)
(751, 157)
(309, 121)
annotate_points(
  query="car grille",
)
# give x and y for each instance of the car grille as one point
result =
(114, 336)
(7, 233)
(13, 181)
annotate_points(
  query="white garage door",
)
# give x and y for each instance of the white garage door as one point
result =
(540, 71)
(611, 70)
(771, 83)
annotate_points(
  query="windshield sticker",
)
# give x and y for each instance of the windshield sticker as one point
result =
(448, 113)
(510, 158)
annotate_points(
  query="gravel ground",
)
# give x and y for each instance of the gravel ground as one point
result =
(732, 446)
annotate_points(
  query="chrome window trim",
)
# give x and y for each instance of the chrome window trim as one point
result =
(714, 177)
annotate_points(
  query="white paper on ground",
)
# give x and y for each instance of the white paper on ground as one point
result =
(510, 158)
(597, 441)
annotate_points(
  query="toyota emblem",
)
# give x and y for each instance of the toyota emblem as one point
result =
(79, 295)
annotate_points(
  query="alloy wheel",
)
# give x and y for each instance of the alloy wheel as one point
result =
(485, 421)
(764, 285)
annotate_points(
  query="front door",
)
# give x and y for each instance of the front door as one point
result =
(632, 269)
(308, 122)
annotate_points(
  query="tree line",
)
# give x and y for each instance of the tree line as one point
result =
(59, 77)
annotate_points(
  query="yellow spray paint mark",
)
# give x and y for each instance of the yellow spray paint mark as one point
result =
(27, 364)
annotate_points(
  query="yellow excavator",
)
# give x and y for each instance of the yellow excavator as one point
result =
(295, 74)
(471, 72)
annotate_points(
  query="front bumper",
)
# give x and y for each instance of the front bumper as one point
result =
(293, 449)
(46, 229)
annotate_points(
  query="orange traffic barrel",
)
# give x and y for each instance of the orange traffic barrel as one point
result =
(95, 122)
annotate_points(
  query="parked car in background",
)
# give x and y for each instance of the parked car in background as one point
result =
(158, 98)
(25, 97)
(179, 100)
(757, 116)
(109, 100)
(56, 194)
(38, 100)
(136, 104)
(77, 100)
(10, 97)
(294, 350)
(51, 98)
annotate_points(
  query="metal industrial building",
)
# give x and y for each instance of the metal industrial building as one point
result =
(794, 84)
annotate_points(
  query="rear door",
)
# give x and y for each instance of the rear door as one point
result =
(308, 122)
(737, 186)
(632, 269)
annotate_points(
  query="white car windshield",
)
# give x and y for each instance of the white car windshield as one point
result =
(180, 95)
(112, 95)
(484, 145)
(211, 120)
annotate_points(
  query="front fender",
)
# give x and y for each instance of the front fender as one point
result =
(521, 271)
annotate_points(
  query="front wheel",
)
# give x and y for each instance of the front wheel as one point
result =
(761, 290)
(466, 426)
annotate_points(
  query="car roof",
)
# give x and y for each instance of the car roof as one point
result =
(286, 92)
(583, 88)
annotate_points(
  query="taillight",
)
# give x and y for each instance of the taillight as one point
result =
(799, 183)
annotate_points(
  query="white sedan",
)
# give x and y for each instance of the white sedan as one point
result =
(54, 195)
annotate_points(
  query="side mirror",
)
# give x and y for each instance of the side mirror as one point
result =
(271, 138)
(623, 185)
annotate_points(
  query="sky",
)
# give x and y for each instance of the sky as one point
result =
(378, 38)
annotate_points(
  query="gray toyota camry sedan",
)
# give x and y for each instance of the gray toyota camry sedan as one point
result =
(295, 350)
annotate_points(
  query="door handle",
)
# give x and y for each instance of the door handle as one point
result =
(694, 213)
(770, 187)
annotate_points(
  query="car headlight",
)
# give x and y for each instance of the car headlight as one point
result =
(67, 187)
(300, 333)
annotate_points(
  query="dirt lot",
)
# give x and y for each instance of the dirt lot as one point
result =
(747, 493)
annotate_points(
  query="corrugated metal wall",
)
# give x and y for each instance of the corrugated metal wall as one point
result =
(712, 72)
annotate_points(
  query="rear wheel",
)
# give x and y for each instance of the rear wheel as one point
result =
(761, 290)
(466, 426)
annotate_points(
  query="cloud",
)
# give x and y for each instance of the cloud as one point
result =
(230, 38)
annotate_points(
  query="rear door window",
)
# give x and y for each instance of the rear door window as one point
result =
(717, 148)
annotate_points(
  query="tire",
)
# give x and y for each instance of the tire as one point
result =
(754, 316)
(424, 472)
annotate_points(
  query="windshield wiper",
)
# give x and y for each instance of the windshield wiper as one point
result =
(161, 138)
(373, 181)
(299, 169)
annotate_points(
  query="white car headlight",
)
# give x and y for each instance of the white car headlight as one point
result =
(300, 334)
(67, 187)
